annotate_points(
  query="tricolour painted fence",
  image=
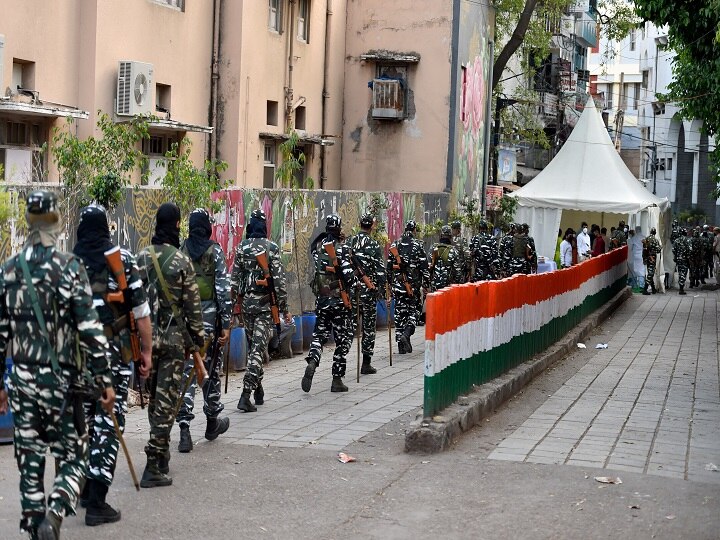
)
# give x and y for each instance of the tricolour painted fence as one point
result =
(477, 331)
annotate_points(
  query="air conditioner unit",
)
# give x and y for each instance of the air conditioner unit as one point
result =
(388, 99)
(134, 88)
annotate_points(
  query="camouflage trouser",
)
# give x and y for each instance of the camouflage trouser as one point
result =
(695, 272)
(104, 443)
(164, 387)
(407, 311)
(519, 266)
(682, 270)
(211, 389)
(258, 330)
(650, 271)
(38, 426)
(368, 313)
(338, 318)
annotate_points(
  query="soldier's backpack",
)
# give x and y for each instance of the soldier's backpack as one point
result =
(521, 248)
(205, 273)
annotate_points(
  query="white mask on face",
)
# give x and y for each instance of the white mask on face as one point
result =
(585, 230)
(626, 229)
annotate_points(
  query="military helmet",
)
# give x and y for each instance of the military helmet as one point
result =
(333, 221)
(445, 231)
(705, 227)
(456, 224)
(367, 220)
(205, 213)
(696, 233)
(675, 222)
(483, 225)
(652, 231)
(41, 202)
(512, 227)
(258, 214)
(411, 225)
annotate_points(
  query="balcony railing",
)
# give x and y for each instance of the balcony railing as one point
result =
(586, 30)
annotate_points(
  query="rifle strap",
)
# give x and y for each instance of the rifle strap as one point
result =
(38, 312)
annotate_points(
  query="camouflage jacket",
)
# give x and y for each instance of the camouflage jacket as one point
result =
(445, 267)
(505, 251)
(180, 278)
(674, 234)
(465, 256)
(246, 272)
(681, 250)
(619, 239)
(696, 251)
(368, 254)
(651, 247)
(484, 249)
(65, 300)
(220, 305)
(414, 263)
(326, 284)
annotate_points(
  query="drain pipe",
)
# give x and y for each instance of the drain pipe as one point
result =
(289, 124)
(214, 78)
(325, 93)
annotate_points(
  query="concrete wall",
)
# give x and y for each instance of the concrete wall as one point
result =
(410, 154)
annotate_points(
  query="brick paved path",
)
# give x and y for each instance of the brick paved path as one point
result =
(649, 403)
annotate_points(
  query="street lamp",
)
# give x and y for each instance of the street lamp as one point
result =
(660, 43)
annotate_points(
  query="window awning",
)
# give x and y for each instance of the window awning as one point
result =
(302, 138)
(42, 109)
(391, 57)
(174, 125)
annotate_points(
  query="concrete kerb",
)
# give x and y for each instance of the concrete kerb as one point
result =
(430, 435)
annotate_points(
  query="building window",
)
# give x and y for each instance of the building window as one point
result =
(668, 164)
(177, 4)
(636, 95)
(272, 113)
(275, 10)
(23, 75)
(633, 39)
(163, 93)
(645, 78)
(300, 117)
(269, 165)
(303, 20)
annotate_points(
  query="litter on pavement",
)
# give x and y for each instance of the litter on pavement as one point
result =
(601, 346)
(581, 346)
(608, 479)
(344, 458)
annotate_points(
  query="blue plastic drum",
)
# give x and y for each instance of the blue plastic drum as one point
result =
(6, 420)
(308, 325)
(237, 355)
(296, 343)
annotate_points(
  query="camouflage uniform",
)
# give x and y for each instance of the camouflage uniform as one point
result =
(169, 347)
(505, 250)
(707, 239)
(415, 264)
(331, 314)
(484, 249)
(216, 312)
(367, 254)
(463, 252)
(681, 252)
(446, 266)
(650, 252)
(619, 238)
(524, 255)
(256, 303)
(696, 258)
(38, 388)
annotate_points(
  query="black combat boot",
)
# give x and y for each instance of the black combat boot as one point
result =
(366, 368)
(185, 445)
(99, 511)
(153, 477)
(216, 427)
(645, 288)
(85, 494)
(682, 290)
(163, 463)
(49, 529)
(338, 385)
(403, 343)
(259, 395)
(308, 377)
(407, 333)
(652, 287)
(245, 404)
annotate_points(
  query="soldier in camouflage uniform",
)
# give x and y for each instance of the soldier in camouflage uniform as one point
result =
(408, 304)
(524, 255)
(505, 250)
(619, 238)
(178, 327)
(681, 253)
(707, 240)
(93, 241)
(211, 276)
(366, 255)
(255, 298)
(674, 231)
(445, 262)
(463, 251)
(651, 248)
(696, 258)
(42, 333)
(484, 249)
(331, 311)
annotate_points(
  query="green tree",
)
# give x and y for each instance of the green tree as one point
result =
(694, 35)
(97, 169)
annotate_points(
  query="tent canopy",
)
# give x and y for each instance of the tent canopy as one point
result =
(588, 174)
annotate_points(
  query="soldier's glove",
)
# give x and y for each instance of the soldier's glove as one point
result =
(107, 399)
(3, 401)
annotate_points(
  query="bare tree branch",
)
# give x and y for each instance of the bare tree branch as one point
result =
(514, 42)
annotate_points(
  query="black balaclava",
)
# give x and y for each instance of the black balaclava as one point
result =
(257, 228)
(93, 238)
(199, 232)
(167, 230)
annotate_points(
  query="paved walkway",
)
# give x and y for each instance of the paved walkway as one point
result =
(649, 403)
(292, 418)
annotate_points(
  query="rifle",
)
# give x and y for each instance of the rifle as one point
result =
(399, 266)
(122, 296)
(329, 248)
(269, 282)
(360, 272)
(217, 350)
(433, 262)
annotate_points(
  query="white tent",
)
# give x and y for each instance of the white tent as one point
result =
(588, 176)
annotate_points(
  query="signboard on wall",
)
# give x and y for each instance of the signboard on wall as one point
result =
(507, 165)
(493, 194)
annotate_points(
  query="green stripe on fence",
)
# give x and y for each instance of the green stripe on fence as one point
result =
(444, 387)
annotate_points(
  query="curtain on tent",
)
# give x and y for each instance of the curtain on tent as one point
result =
(544, 224)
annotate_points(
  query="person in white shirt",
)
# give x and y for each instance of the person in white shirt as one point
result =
(583, 243)
(566, 249)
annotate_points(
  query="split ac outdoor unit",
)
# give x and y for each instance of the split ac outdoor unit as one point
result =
(134, 88)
